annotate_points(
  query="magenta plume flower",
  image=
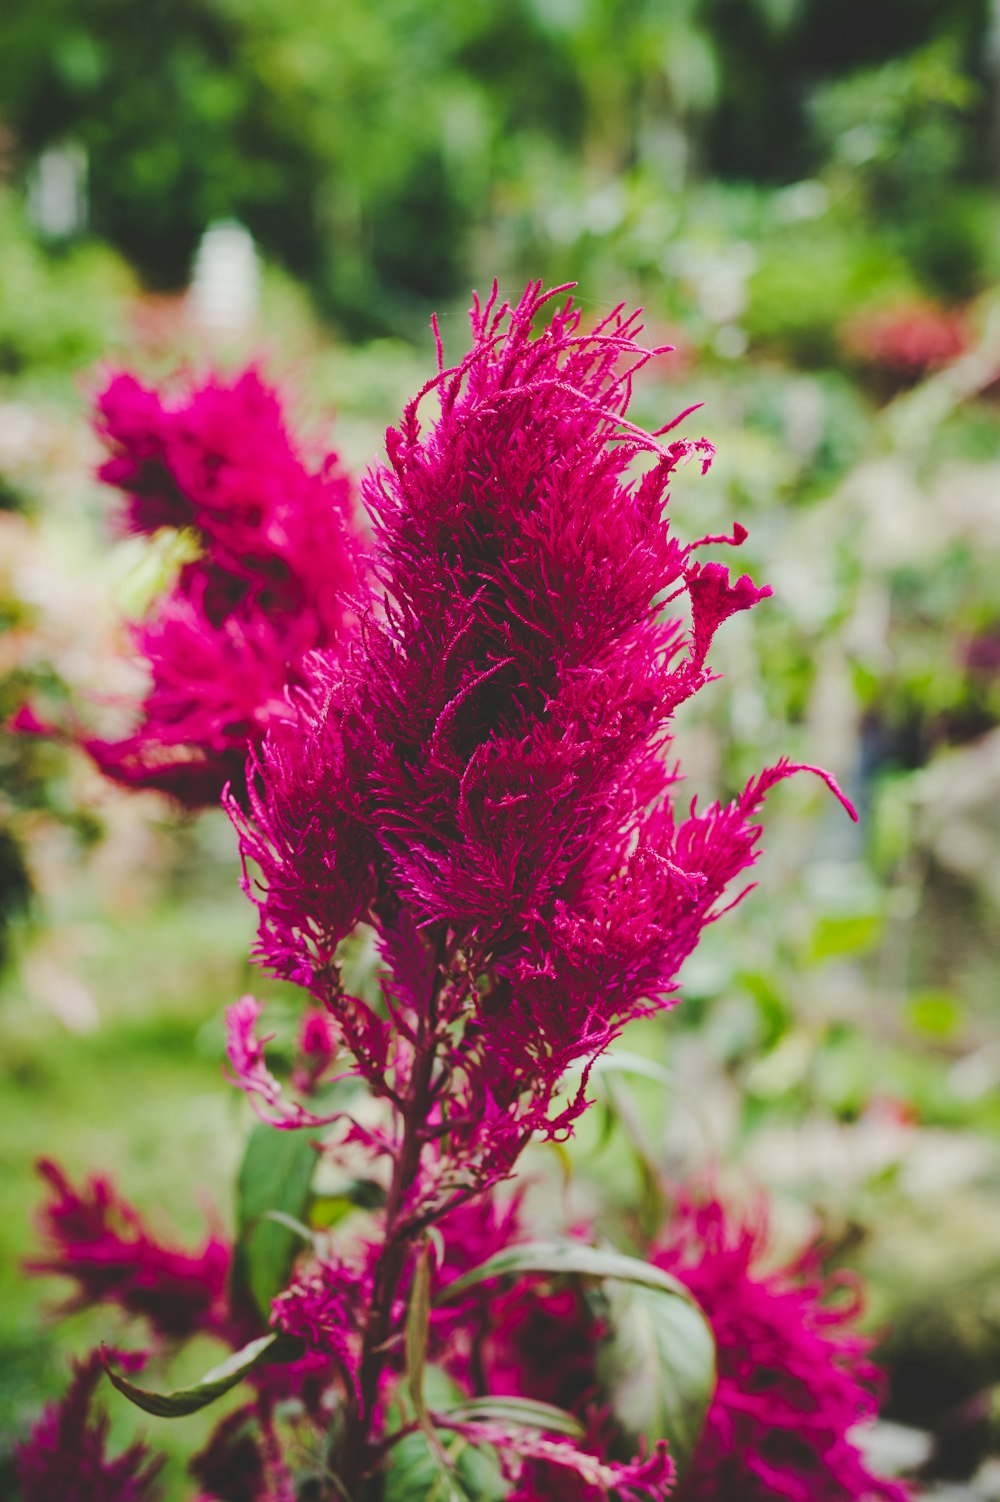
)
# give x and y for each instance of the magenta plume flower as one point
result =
(65, 1457)
(794, 1375)
(492, 756)
(99, 1241)
(276, 573)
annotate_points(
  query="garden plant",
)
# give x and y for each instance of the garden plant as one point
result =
(448, 738)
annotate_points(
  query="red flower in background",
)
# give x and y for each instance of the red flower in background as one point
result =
(794, 1375)
(65, 1458)
(98, 1240)
(276, 575)
(906, 339)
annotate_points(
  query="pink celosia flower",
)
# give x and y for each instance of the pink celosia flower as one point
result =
(557, 1469)
(99, 1241)
(492, 757)
(275, 576)
(317, 1051)
(794, 1375)
(65, 1457)
(323, 1308)
(245, 1052)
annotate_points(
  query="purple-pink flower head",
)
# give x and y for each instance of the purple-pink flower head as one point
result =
(276, 575)
(321, 1308)
(65, 1456)
(794, 1375)
(496, 747)
(99, 1241)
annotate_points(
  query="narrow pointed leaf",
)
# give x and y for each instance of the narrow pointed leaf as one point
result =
(418, 1320)
(566, 1259)
(418, 1324)
(303, 1232)
(523, 1413)
(184, 1400)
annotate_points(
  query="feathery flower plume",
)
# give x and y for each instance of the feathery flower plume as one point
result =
(275, 573)
(99, 1241)
(489, 763)
(794, 1374)
(65, 1456)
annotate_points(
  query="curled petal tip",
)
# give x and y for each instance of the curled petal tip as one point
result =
(833, 785)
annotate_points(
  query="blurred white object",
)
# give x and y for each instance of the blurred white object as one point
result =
(891, 1449)
(57, 191)
(226, 281)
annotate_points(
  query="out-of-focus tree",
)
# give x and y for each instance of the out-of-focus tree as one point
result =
(386, 153)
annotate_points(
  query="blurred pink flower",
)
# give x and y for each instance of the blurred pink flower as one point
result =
(794, 1374)
(65, 1458)
(276, 574)
(98, 1240)
(906, 339)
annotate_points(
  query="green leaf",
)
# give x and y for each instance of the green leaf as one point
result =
(174, 1405)
(521, 1413)
(840, 937)
(935, 1014)
(415, 1473)
(303, 1232)
(328, 1210)
(418, 1323)
(275, 1175)
(566, 1259)
(658, 1362)
(657, 1366)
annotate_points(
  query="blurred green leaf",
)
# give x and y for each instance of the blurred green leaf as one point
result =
(185, 1400)
(772, 1007)
(327, 1210)
(566, 1259)
(276, 1174)
(415, 1474)
(518, 1412)
(657, 1366)
(935, 1014)
(844, 937)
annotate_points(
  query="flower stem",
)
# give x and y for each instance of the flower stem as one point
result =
(400, 1229)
